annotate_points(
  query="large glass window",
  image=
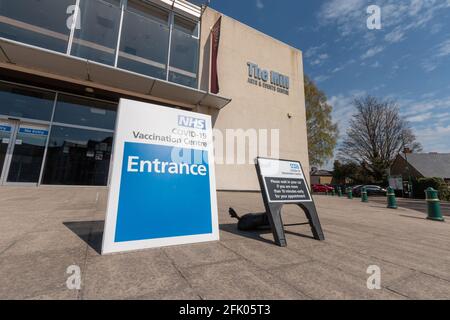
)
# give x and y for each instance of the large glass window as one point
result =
(96, 39)
(41, 23)
(144, 34)
(79, 137)
(21, 102)
(184, 52)
(78, 157)
(84, 112)
(144, 40)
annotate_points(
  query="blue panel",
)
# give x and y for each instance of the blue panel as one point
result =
(160, 205)
(5, 128)
(35, 132)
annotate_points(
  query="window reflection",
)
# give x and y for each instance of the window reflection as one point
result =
(144, 38)
(184, 52)
(85, 112)
(41, 23)
(144, 41)
(23, 102)
(78, 157)
(96, 39)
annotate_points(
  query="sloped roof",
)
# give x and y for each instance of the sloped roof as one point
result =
(322, 173)
(430, 164)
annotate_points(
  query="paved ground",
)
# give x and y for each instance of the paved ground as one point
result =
(43, 231)
(415, 204)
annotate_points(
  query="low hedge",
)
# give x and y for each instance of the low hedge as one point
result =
(421, 184)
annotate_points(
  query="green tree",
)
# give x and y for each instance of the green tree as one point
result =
(349, 172)
(322, 132)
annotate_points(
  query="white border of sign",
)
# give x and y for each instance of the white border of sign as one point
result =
(131, 114)
(278, 174)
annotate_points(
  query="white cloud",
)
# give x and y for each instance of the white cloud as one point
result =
(434, 139)
(343, 109)
(398, 17)
(395, 36)
(371, 52)
(420, 117)
(259, 4)
(314, 56)
(321, 78)
(320, 59)
(444, 49)
(312, 51)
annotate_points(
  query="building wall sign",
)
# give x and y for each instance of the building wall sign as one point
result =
(163, 188)
(266, 79)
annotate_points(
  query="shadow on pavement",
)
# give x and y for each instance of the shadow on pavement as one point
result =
(257, 234)
(90, 232)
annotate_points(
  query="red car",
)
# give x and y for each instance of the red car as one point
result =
(321, 188)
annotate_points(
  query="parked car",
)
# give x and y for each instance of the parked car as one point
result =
(321, 188)
(372, 190)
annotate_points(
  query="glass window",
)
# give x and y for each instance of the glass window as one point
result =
(96, 39)
(85, 112)
(149, 11)
(22, 102)
(144, 41)
(28, 153)
(42, 23)
(78, 157)
(184, 52)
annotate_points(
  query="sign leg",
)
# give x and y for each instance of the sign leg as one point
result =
(274, 215)
(314, 222)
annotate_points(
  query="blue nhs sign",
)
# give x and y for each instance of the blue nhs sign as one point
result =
(191, 122)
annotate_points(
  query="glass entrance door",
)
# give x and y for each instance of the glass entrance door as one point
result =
(7, 129)
(24, 154)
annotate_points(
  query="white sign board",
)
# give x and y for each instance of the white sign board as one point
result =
(284, 181)
(396, 183)
(162, 188)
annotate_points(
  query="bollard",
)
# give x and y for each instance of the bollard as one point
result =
(364, 197)
(434, 205)
(392, 202)
(350, 193)
(339, 192)
(333, 192)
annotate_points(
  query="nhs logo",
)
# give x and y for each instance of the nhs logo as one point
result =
(295, 166)
(191, 122)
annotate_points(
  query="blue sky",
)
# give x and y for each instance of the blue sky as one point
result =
(408, 60)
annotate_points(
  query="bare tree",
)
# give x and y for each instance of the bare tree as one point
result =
(376, 135)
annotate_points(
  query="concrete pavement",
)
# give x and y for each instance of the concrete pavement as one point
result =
(45, 230)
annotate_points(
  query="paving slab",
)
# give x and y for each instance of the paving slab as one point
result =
(134, 274)
(264, 255)
(33, 274)
(238, 280)
(422, 286)
(322, 281)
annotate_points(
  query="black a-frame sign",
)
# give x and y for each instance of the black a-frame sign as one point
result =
(283, 182)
